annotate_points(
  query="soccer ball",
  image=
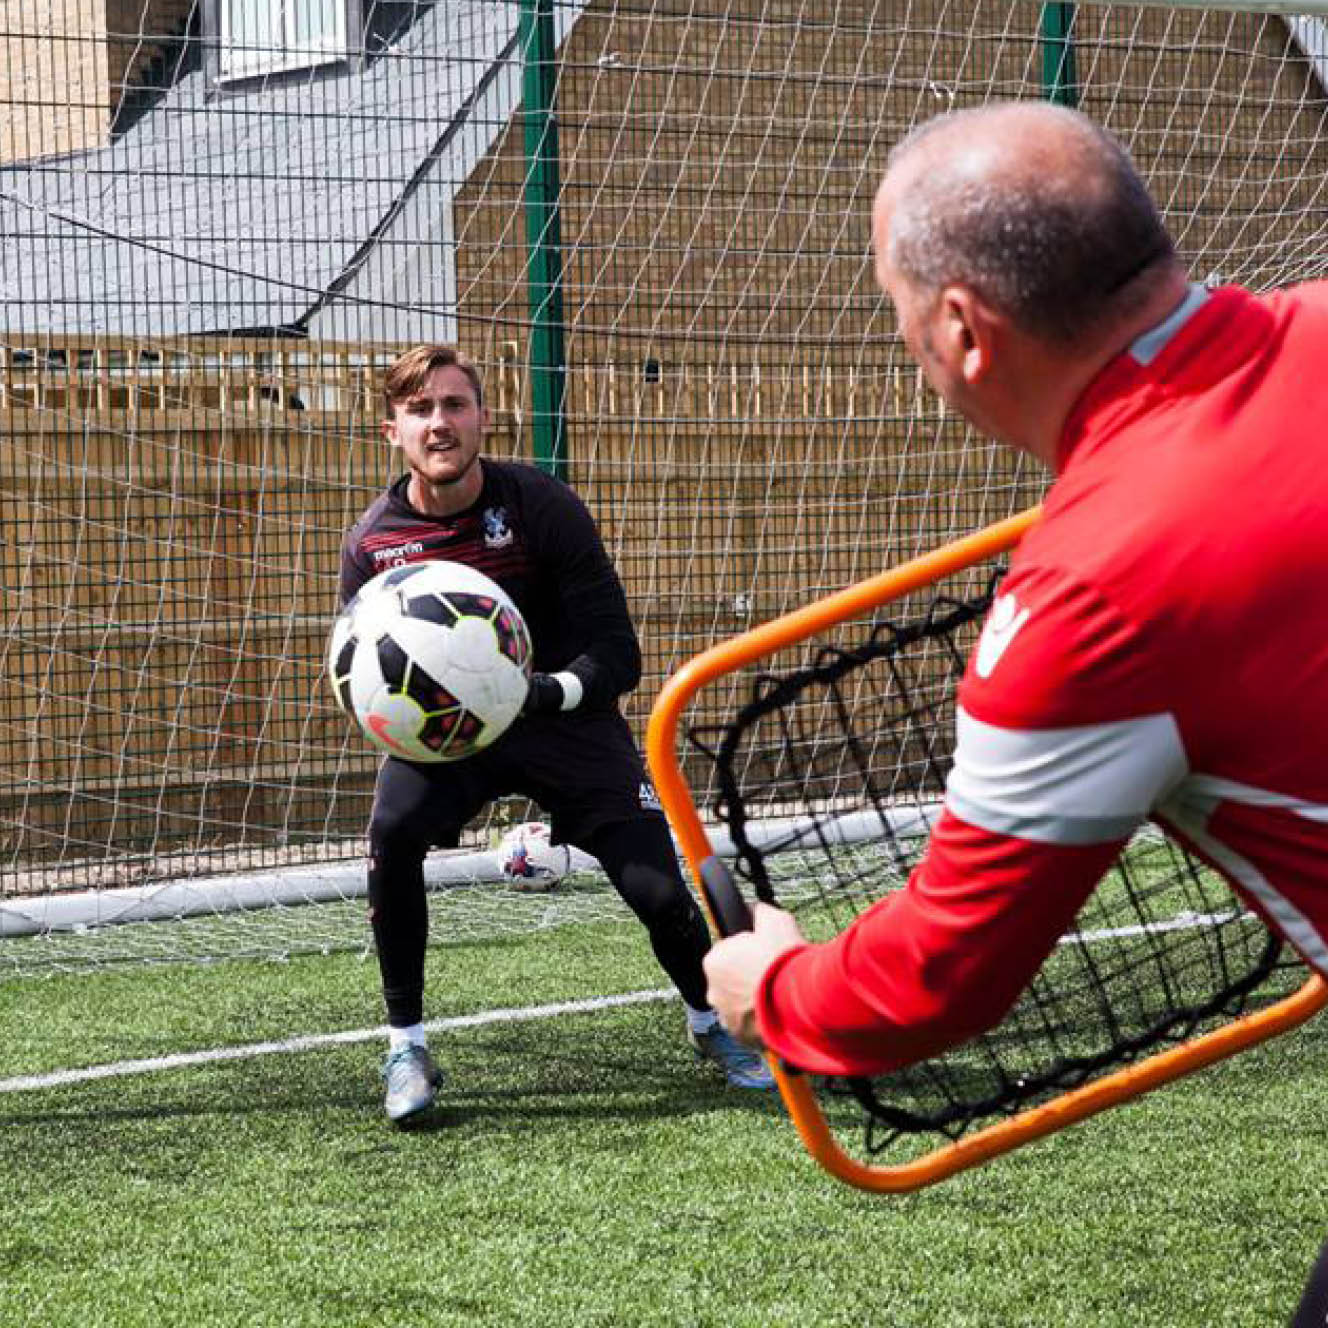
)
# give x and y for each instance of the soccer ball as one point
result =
(431, 660)
(529, 860)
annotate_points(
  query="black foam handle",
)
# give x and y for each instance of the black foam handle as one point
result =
(727, 906)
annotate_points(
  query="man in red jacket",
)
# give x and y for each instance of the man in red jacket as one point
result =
(1159, 648)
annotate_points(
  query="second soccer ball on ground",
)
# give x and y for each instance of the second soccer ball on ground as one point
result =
(529, 860)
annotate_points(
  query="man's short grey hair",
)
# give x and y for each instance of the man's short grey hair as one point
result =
(1058, 255)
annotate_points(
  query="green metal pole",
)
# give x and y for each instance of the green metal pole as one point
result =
(544, 278)
(1060, 80)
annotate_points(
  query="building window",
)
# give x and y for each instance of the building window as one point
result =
(257, 37)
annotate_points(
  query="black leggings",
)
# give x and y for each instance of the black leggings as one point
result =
(636, 854)
(639, 859)
(1313, 1309)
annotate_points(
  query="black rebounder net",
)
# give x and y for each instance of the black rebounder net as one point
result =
(827, 779)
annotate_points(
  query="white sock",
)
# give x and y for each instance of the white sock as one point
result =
(700, 1021)
(414, 1033)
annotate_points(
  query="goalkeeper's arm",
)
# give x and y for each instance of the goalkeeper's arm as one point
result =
(549, 692)
(593, 603)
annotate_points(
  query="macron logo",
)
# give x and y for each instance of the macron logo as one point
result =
(1002, 626)
(397, 556)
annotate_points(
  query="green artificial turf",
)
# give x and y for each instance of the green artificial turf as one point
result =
(584, 1169)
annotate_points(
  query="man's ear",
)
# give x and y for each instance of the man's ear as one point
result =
(968, 333)
(389, 427)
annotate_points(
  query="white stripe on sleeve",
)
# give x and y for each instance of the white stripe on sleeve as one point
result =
(1089, 784)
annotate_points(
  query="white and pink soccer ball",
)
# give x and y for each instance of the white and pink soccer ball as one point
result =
(528, 859)
(431, 660)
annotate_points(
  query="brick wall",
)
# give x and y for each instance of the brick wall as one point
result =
(65, 64)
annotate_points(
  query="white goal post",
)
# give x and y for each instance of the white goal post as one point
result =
(338, 882)
(205, 274)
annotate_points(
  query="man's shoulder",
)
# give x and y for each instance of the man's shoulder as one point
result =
(1313, 293)
(1300, 310)
(372, 517)
(1300, 315)
(532, 490)
(523, 476)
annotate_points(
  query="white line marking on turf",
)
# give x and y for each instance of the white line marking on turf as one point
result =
(313, 1041)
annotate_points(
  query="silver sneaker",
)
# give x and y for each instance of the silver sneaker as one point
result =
(412, 1081)
(743, 1067)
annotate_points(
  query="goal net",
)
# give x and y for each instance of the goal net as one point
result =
(646, 221)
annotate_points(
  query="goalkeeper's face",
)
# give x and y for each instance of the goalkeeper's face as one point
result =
(440, 431)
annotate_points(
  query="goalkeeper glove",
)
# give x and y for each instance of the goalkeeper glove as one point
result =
(550, 692)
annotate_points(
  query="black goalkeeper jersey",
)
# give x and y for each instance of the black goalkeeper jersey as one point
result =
(535, 538)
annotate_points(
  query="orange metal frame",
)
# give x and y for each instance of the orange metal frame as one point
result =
(949, 1158)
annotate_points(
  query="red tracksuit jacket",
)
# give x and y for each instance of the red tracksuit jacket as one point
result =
(1159, 649)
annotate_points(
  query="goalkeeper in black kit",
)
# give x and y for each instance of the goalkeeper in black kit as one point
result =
(571, 751)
